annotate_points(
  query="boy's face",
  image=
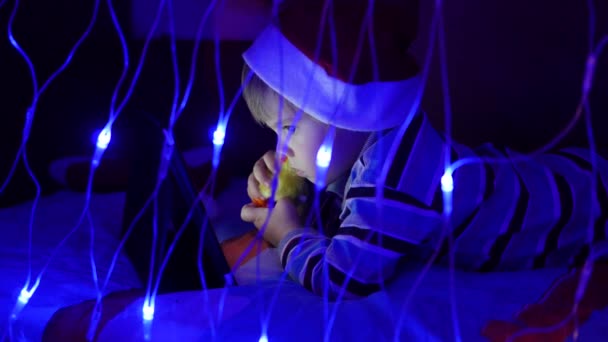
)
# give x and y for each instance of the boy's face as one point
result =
(307, 136)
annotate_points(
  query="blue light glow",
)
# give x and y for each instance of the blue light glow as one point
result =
(104, 137)
(166, 155)
(25, 296)
(13, 41)
(29, 118)
(447, 182)
(263, 338)
(219, 135)
(323, 159)
(148, 312)
(324, 155)
(23, 299)
(103, 140)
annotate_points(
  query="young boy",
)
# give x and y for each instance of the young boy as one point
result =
(506, 216)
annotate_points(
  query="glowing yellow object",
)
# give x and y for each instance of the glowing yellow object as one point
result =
(290, 185)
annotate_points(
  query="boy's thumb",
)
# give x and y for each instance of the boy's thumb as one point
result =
(248, 212)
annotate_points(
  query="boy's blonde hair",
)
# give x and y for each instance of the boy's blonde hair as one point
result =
(256, 94)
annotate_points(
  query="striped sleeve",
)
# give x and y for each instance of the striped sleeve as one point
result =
(365, 251)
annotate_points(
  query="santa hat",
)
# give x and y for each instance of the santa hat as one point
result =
(376, 94)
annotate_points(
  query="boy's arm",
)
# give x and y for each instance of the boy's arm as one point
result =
(369, 243)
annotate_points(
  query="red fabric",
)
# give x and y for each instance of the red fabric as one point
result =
(112, 176)
(395, 26)
(554, 308)
(72, 323)
(234, 248)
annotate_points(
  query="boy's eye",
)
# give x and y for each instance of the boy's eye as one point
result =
(289, 128)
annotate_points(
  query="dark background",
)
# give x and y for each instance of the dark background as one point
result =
(77, 103)
(515, 69)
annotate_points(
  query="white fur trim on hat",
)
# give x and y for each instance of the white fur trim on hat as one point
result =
(371, 106)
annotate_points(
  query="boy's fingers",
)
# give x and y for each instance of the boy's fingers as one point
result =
(253, 188)
(262, 173)
(247, 213)
(251, 213)
(270, 160)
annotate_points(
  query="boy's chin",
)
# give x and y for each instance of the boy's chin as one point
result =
(333, 174)
(316, 182)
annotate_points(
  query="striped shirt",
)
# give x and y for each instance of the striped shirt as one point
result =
(539, 212)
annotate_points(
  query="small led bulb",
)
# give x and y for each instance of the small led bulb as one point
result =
(219, 135)
(104, 137)
(324, 156)
(148, 312)
(25, 296)
(447, 182)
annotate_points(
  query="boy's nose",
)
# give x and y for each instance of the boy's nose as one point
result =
(290, 153)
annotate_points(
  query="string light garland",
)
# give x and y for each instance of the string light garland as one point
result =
(218, 138)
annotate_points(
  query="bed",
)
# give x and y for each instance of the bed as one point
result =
(272, 310)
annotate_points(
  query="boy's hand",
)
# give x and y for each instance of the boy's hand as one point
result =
(283, 220)
(263, 171)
